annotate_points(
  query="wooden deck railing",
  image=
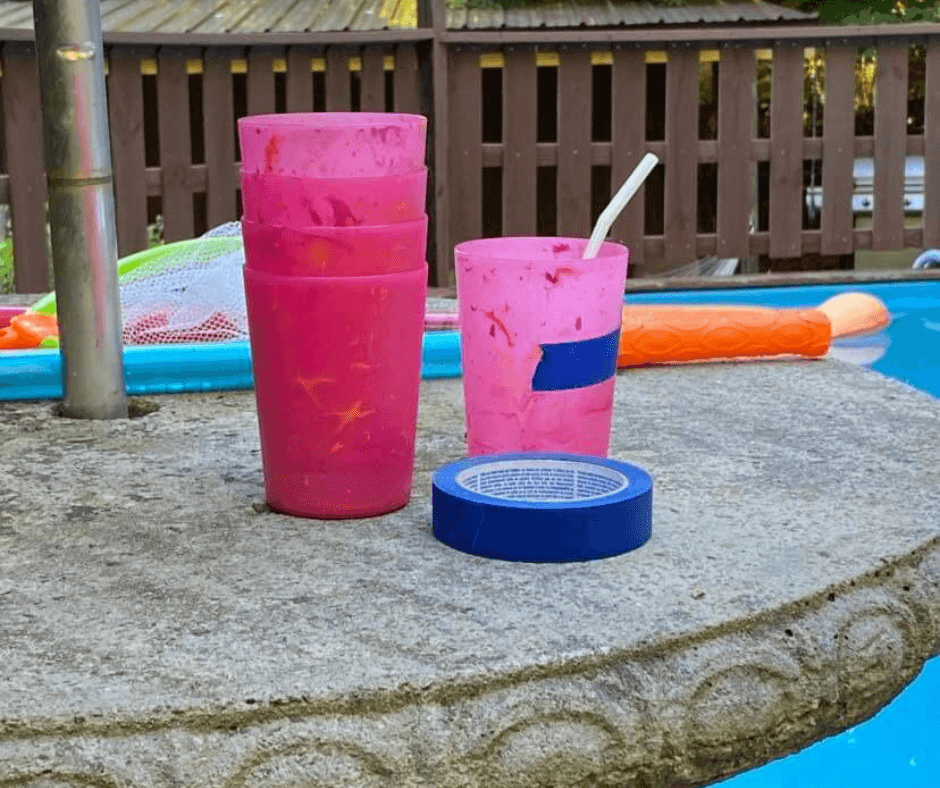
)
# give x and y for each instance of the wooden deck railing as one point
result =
(535, 129)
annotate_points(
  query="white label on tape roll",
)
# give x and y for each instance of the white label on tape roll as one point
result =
(542, 480)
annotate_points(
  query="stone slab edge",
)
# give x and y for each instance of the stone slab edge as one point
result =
(702, 708)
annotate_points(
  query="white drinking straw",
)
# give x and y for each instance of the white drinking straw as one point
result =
(617, 204)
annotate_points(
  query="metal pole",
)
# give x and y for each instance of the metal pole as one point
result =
(81, 206)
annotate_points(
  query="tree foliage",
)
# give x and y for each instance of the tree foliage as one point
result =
(868, 12)
(847, 12)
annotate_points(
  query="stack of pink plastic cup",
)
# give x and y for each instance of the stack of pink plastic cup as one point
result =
(335, 237)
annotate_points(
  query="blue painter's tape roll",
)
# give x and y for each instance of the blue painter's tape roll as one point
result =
(542, 507)
(574, 365)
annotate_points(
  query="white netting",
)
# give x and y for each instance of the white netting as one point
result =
(196, 295)
(227, 230)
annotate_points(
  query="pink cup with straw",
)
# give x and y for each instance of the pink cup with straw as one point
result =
(293, 201)
(539, 330)
(331, 144)
(337, 367)
(336, 251)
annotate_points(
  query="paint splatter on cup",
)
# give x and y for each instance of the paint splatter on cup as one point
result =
(332, 144)
(293, 201)
(336, 251)
(337, 368)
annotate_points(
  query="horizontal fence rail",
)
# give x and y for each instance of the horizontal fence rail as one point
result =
(761, 132)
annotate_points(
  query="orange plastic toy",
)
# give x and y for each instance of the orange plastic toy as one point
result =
(670, 334)
(27, 330)
(663, 334)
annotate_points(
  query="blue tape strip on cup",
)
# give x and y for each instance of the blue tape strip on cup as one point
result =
(574, 365)
(542, 507)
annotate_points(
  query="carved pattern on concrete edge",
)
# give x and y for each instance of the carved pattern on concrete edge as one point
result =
(723, 703)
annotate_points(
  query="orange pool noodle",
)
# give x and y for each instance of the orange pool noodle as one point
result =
(665, 334)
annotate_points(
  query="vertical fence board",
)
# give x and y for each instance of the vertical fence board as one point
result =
(338, 98)
(299, 79)
(260, 81)
(175, 143)
(932, 146)
(406, 80)
(838, 151)
(520, 91)
(218, 115)
(22, 123)
(126, 119)
(681, 157)
(574, 142)
(737, 72)
(890, 147)
(628, 136)
(466, 152)
(372, 96)
(434, 92)
(786, 152)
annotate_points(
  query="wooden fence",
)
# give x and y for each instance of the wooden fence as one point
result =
(732, 123)
(531, 131)
(172, 113)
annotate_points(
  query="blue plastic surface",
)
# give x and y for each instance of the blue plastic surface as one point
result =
(171, 369)
(579, 528)
(897, 748)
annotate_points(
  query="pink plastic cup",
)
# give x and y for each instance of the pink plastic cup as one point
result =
(293, 201)
(337, 366)
(331, 144)
(336, 251)
(539, 333)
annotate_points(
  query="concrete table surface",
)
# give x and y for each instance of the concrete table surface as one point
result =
(159, 627)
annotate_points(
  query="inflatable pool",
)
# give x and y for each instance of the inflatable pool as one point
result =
(909, 349)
